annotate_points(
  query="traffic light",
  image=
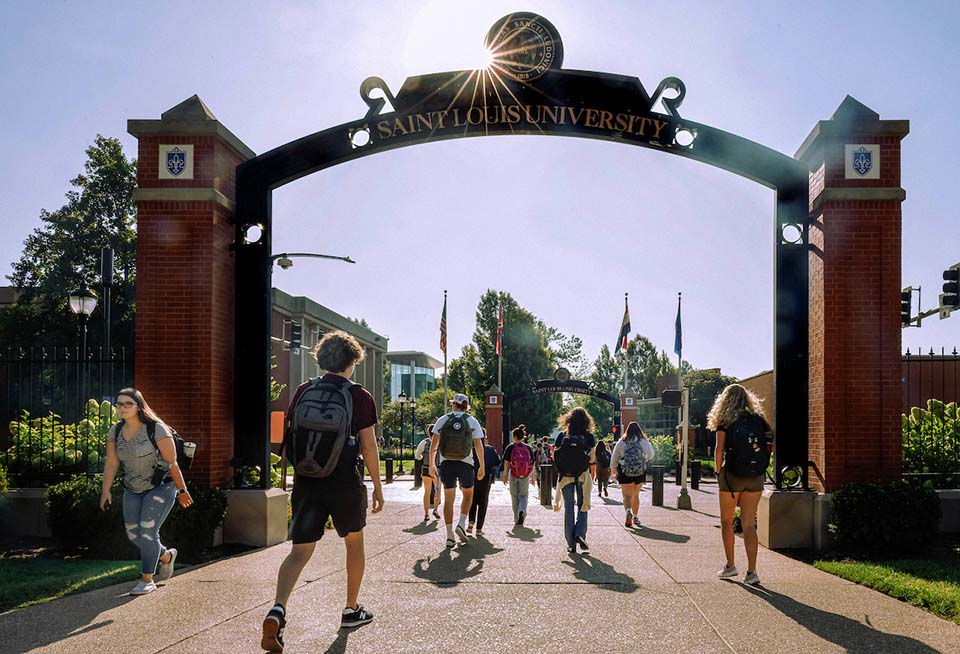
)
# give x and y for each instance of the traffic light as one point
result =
(296, 335)
(906, 295)
(951, 290)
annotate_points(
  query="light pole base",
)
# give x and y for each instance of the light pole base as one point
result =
(683, 500)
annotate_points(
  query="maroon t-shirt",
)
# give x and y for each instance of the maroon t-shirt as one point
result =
(364, 415)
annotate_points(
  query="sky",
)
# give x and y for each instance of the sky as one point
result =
(565, 225)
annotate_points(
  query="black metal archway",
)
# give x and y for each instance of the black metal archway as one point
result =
(524, 92)
(572, 386)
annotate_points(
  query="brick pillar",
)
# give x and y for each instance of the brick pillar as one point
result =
(855, 235)
(493, 405)
(185, 278)
(628, 411)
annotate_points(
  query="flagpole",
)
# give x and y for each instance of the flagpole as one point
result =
(446, 372)
(500, 347)
(625, 351)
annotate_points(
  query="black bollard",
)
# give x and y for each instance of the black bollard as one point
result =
(695, 475)
(657, 499)
(546, 484)
(389, 463)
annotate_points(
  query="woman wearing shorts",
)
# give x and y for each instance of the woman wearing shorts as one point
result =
(632, 446)
(734, 409)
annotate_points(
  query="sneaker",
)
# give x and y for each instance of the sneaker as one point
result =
(355, 617)
(572, 549)
(273, 626)
(165, 571)
(426, 517)
(520, 518)
(583, 544)
(461, 534)
(436, 514)
(479, 532)
(728, 571)
(751, 579)
(636, 521)
(451, 542)
(628, 522)
(469, 527)
(606, 492)
(142, 588)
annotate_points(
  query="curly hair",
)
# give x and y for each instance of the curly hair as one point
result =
(576, 421)
(732, 402)
(337, 351)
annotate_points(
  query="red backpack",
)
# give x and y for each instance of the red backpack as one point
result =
(521, 463)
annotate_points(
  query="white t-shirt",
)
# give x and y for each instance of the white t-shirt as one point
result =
(474, 427)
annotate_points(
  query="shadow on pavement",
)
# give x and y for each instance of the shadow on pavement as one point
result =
(31, 627)
(452, 566)
(851, 635)
(339, 645)
(607, 501)
(596, 572)
(422, 528)
(656, 534)
(525, 534)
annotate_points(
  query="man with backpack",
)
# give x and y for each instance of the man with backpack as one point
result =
(518, 465)
(329, 421)
(457, 439)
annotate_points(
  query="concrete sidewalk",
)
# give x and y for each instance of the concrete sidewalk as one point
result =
(652, 589)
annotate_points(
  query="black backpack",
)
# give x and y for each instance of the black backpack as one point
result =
(603, 457)
(321, 422)
(745, 452)
(572, 458)
(184, 460)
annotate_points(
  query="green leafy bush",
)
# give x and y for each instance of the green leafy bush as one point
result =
(898, 517)
(78, 524)
(4, 480)
(251, 474)
(665, 451)
(931, 438)
(44, 447)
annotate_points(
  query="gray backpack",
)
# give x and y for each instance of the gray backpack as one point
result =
(321, 423)
(633, 463)
(456, 437)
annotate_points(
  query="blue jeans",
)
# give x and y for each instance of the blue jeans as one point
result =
(143, 514)
(571, 529)
(519, 491)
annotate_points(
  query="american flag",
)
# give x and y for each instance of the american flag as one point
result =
(443, 327)
(499, 329)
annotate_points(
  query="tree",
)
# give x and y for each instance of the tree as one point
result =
(704, 387)
(526, 359)
(64, 252)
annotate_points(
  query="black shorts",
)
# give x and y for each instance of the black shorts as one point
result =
(627, 479)
(452, 472)
(314, 500)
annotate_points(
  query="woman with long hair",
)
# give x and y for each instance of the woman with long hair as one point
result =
(429, 483)
(737, 417)
(631, 455)
(575, 458)
(152, 482)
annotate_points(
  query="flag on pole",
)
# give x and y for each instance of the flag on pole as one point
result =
(443, 327)
(499, 329)
(678, 339)
(624, 328)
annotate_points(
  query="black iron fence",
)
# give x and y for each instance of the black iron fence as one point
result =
(930, 420)
(56, 409)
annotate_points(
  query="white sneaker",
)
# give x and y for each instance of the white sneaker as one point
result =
(461, 535)
(142, 588)
(727, 572)
(751, 579)
(165, 571)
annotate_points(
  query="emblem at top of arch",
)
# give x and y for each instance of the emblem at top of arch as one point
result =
(524, 49)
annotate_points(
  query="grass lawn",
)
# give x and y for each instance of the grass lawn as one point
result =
(26, 581)
(932, 584)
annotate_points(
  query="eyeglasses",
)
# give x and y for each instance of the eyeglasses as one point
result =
(125, 405)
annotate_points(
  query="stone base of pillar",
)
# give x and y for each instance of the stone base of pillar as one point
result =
(785, 519)
(256, 517)
(822, 514)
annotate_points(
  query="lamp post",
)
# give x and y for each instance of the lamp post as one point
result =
(82, 303)
(402, 399)
(413, 427)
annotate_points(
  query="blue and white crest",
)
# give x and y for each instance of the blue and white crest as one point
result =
(862, 160)
(176, 161)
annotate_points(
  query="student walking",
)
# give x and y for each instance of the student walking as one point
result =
(574, 458)
(481, 490)
(152, 482)
(518, 465)
(744, 444)
(430, 494)
(457, 439)
(603, 468)
(327, 483)
(631, 457)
